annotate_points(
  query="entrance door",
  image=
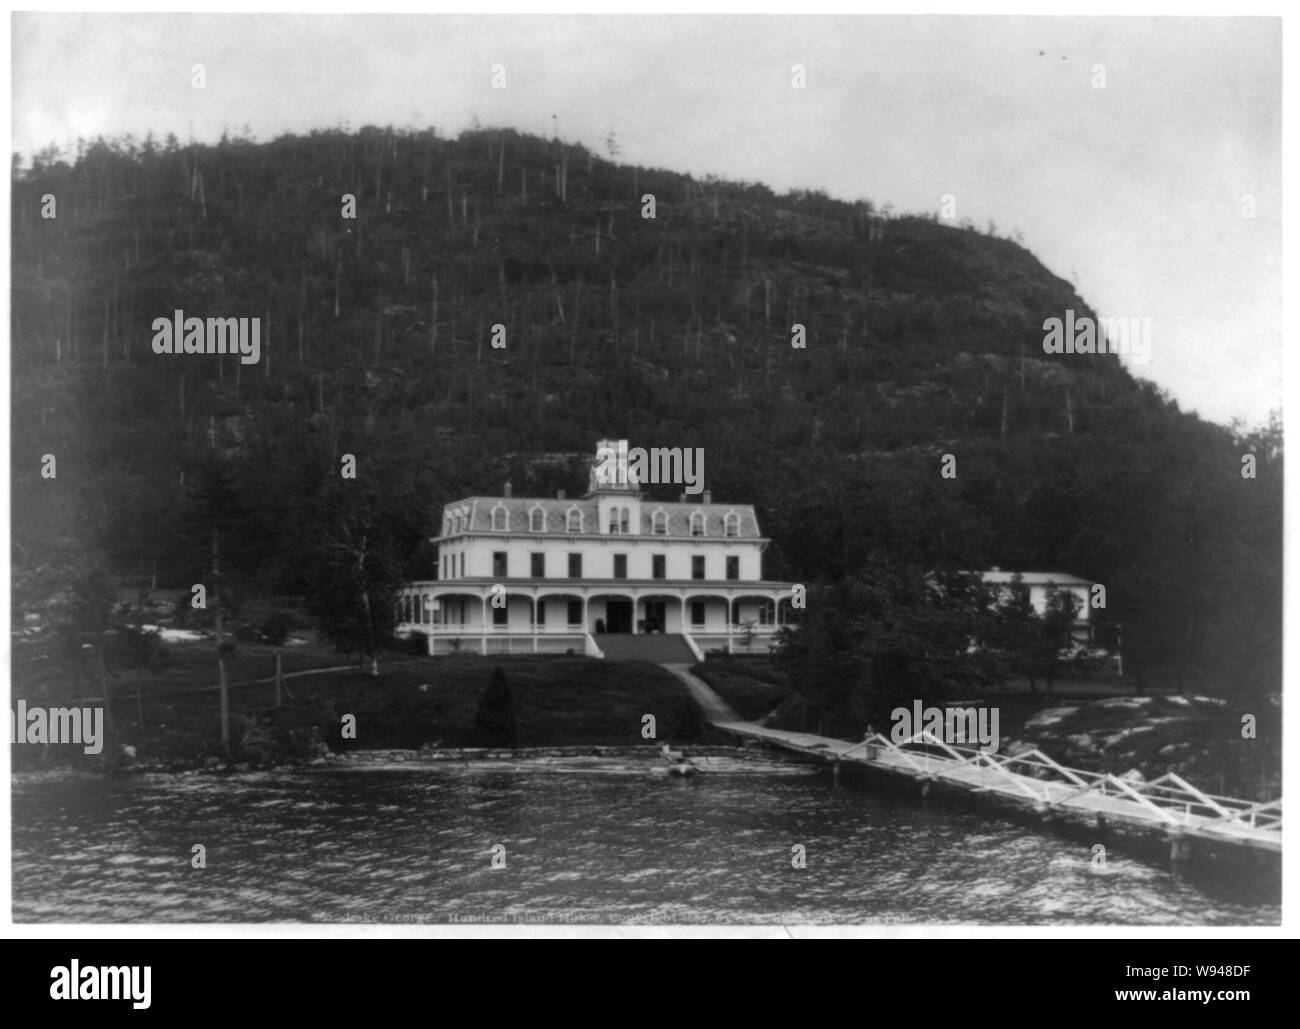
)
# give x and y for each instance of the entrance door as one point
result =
(618, 616)
(655, 616)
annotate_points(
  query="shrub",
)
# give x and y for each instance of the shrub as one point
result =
(495, 724)
(275, 629)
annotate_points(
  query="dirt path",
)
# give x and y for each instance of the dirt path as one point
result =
(715, 708)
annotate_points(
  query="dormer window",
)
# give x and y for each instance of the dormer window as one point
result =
(613, 521)
(731, 525)
(455, 523)
(536, 520)
(574, 520)
(659, 524)
(500, 519)
(624, 521)
(697, 523)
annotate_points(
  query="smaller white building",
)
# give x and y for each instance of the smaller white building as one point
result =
(1041, 585)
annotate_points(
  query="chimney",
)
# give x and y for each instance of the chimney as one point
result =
(559, 495)
(708, 497)
(507, 491)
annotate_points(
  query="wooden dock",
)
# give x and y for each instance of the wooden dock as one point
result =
(1168, 808)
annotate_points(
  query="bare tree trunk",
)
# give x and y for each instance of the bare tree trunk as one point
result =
(433, 327)
(577, 310)
(365, 604)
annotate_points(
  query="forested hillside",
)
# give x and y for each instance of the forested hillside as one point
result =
(922, 339)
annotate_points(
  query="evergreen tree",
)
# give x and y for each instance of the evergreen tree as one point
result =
(494, 726)
(355, 575)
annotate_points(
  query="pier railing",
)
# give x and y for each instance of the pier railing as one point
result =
(1169, 799)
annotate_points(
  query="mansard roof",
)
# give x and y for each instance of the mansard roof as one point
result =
(556, 513)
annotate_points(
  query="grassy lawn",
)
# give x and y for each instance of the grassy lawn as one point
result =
(749, 685)
(558, 701)
(182, 666)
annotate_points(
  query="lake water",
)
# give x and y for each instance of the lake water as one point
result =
(604, 843)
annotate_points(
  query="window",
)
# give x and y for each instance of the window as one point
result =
(575, 566)
(500, 519)
(536, 520)
(657, 563)
(697, 523)
(733, 568)
(446, 526)
(697, 612)
(767, 613)
(732, 524)
(499, 564)
(575, 521)
(500, 616)
(537, 567)
(660, 525)
(620, 566)
(697, 567)
(462, 564)
(623, 521)
(455, 524)
(575, 612)
(613, 521)
(426, 614)
(541, 612)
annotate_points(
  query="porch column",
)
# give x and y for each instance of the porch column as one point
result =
(533, 600)
(483, 602)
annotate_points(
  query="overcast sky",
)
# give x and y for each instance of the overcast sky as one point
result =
(1134, 191)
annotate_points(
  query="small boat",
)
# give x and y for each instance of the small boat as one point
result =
(682, 768)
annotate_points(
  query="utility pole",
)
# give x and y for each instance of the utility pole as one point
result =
(221, 640)
(102, 663)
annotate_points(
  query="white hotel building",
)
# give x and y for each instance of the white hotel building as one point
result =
(610, 573)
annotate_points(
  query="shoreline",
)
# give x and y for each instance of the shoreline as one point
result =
(711, 757)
